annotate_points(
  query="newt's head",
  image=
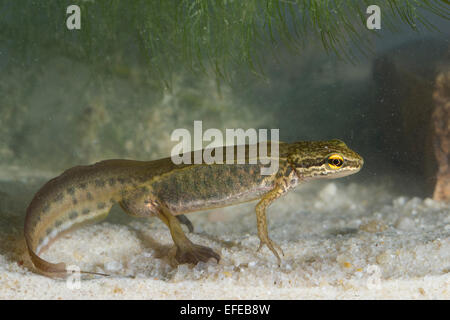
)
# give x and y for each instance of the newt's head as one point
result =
(323, 159)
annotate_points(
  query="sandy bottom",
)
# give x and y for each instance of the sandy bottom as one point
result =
(341, 241)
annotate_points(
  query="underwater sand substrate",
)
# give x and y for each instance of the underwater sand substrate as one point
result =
(340, 239)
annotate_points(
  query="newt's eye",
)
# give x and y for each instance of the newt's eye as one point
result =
(335, 161)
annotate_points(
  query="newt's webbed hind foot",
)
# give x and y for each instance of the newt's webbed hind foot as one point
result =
(194, 253)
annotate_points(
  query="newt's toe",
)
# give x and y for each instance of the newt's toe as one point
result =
(273, 246)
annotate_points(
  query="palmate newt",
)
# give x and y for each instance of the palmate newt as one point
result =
(160, 188)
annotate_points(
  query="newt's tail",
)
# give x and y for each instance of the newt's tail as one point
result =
(55, 270)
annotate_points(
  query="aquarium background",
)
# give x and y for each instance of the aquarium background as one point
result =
(118, 87)
(137, 70)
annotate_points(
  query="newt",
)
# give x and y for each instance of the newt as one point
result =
(85, 194)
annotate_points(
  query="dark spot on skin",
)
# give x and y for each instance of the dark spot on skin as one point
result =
(89, 196)
(177, 187)
(46, 208)
(71, 190)
(41, 240)
(288, 172)
(99, 183)
(85, 211)
(112, 181)
(142, 179)
(73, 215)
(58, 223)
(48, 231)
(144, 189)
(163, 187)
(230, 181)
(83, 185)
(101, 205)
(74, 200)
(59, 197)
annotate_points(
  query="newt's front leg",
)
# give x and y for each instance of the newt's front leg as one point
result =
(263, 234)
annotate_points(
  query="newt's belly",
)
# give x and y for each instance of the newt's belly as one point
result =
(211, 186)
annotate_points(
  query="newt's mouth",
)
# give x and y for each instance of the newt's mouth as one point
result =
(341, 174)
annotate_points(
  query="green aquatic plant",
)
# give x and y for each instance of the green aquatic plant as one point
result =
(200, 36)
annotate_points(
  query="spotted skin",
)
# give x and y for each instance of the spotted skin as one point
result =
(85, 194)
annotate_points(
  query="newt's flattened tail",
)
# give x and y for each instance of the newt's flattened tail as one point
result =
(55, 270)
(41, 231)
(47, 268)
(80, 195)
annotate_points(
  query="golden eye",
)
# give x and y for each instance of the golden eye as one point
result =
(335, 161)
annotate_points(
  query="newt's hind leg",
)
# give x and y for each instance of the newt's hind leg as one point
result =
(184, 220)
(186, 251)
(131, 208)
